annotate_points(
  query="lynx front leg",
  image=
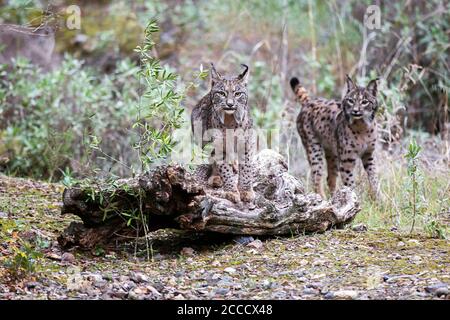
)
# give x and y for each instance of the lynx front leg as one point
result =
(230, 180)
(369, 165)
(245, 186)
(347, 163)
(214, 179)
(246, 150)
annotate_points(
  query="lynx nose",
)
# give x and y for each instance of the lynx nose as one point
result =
(230, 103)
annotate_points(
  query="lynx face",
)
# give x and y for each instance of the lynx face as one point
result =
(359, 102)
(229, 95)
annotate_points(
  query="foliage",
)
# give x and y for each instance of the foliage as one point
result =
(47, 117)
(414, 180)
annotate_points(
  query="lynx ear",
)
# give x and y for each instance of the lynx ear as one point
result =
(215, 76)
(372, 86)
(350, 84)
(244, 75)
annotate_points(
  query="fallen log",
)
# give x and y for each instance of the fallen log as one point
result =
(171, 196)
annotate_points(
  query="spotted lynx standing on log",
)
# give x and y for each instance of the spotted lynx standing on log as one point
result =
(222, 117)
(341, 131)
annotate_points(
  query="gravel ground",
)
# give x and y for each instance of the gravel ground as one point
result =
(353, 263)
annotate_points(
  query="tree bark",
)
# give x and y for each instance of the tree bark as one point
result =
(172, 197)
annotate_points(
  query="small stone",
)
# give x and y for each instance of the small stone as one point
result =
(416, 259)
(32, 284)
(3, 215)
(438, 290)
(309, 291)
(257, 244)
(153, 290)
(138, 277)
(329, 295)
(222, 291)
(95, 277)
(127, 286)
(121, 294)
(400, 244)
(244, 240)
(266, 284)
(315, 285)
(345, 294)
(230, 270)
(360, 227)
(67, 257)
(441, 292)
(414, 242)
(187, 251)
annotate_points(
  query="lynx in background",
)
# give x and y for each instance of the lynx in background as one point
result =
(341, 132)
(223, 116)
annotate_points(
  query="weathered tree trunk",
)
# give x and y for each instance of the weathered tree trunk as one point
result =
(172, 197)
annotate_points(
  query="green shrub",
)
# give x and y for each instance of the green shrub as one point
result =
(47, 118)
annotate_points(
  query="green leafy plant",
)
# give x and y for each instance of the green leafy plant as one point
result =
(24, 261)
(414, 177)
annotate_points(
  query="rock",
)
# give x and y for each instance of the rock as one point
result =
(153, 290)
(3, 215)
(315, 285)
(440, 289)
(413, 242)
(416, 259)
(342, 294)
(360, 227)
(121, 294)
(243, 240)
(400, 244)
(222, 291)
(32, 284)
(138, 277)
(129, 285)
(187, 251)
(310, 291)
(67, 257)
(266, 284)
(441, 292)
(95, 277)
(257, 244)
(230, 270)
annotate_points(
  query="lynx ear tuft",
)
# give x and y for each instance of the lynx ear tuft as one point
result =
(294, 83)
(215, 76)
(244, 75)
(372, 86)
(350, 84)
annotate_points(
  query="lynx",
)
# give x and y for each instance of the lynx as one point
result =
(223, 114)
(341, 132)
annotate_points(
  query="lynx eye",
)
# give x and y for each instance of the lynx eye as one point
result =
(221, 93)
(238, 94)
(350, 101)
(364, 103)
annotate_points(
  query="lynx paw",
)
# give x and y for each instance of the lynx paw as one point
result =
(247, 195)
(233, 196)
(215, 181)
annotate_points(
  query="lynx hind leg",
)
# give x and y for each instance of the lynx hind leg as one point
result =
(315, 153)
(332, 171)
(230, 180)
